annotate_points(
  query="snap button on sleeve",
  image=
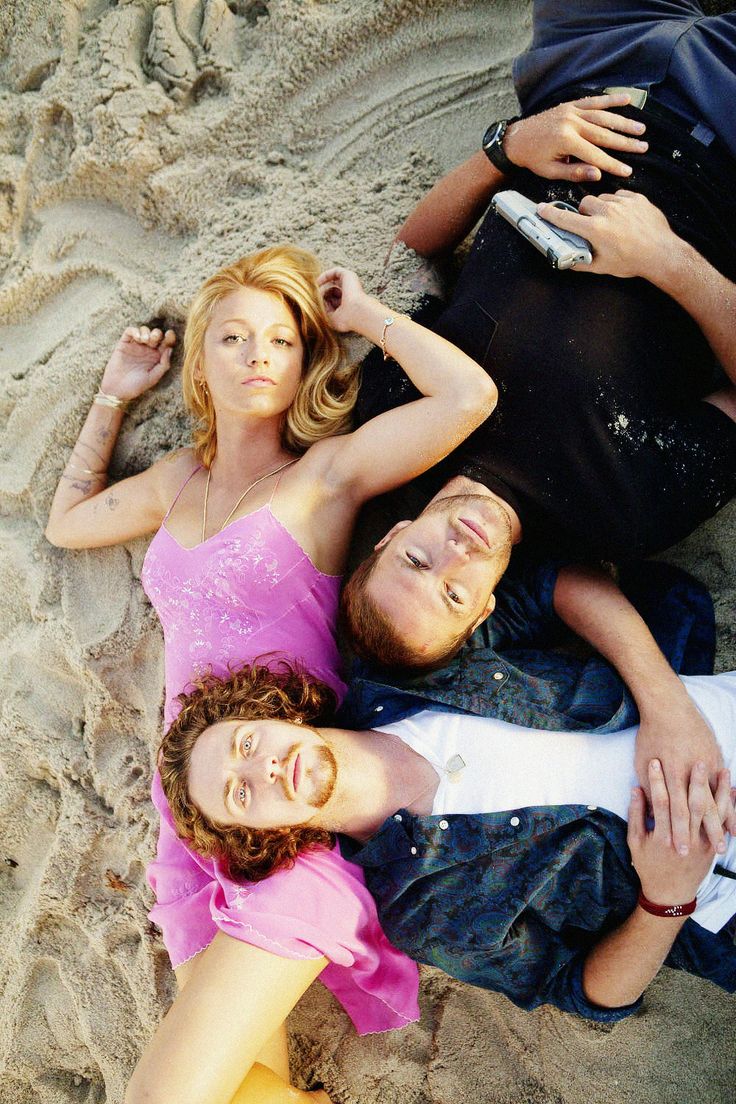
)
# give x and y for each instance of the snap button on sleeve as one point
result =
(378, 709)
(398, 816)
(514, 822)
(413, 850)
(498, 675)
(592, 808)
(444, 825)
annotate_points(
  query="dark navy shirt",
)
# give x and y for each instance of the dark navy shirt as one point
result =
(686, 60)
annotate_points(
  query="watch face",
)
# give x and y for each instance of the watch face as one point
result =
(491, 136)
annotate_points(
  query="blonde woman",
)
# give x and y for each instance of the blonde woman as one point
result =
(251, 530)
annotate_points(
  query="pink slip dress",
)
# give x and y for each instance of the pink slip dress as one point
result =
(245, 592)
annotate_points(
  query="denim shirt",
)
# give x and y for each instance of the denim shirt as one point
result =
(509, 670)
(514, 901)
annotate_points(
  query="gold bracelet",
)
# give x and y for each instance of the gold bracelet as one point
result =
(110, 400)
(389, 321)
(85, 471)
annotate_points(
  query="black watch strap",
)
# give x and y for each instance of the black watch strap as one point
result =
(493, 144)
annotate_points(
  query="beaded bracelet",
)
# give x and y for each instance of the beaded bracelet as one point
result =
(667, 910)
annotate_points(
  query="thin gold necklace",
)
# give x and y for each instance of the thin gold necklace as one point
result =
(245, 492)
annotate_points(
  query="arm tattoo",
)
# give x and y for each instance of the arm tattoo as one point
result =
(83, 485)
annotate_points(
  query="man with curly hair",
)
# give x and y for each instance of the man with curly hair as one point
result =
(497, 852)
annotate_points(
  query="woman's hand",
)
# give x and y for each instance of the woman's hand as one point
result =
(138, 361)
(344, 298)
(581, 130)
(669, 878)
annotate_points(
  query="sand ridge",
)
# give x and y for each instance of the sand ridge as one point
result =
(143, 144)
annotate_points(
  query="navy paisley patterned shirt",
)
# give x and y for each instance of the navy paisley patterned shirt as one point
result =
(513, 901)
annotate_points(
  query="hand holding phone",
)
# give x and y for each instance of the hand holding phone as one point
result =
(562, 248)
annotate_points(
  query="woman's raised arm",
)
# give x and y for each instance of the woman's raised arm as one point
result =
(457, 395)
(235, 999)
(83, 513)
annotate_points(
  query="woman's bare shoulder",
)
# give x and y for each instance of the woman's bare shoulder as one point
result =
(171, 470)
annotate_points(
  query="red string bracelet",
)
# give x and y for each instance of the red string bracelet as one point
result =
(667, 910)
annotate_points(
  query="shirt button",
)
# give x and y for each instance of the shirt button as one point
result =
(514, 822)
(413, 850)
(592, 808)
(398, 816)
(498, 675)
(378, 709)
(444, 825)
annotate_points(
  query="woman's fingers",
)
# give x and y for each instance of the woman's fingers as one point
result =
(330, 276)
(330, 284)
(144, 335)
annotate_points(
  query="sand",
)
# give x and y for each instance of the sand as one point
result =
(142, 144)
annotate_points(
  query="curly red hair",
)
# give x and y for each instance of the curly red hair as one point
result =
(252, 692)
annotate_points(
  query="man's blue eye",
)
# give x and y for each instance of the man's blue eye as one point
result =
(414, 560)
(454, 597)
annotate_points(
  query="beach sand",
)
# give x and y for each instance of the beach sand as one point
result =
(142, 145)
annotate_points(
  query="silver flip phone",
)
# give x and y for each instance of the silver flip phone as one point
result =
(561, 248)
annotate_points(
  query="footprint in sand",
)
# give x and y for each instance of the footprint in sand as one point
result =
(191, 45)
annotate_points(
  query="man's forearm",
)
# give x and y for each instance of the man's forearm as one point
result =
(705, 294)
(451, 209)
(590, 602)
(621, 966)
(671, 727)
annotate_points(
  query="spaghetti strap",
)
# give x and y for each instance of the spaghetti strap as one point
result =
(276, 484)
(176, 497)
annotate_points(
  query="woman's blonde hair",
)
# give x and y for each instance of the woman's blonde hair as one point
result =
(324, 401)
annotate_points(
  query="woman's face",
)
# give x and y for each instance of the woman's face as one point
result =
(253, 354)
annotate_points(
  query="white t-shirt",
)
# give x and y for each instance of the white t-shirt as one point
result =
(487, 766)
